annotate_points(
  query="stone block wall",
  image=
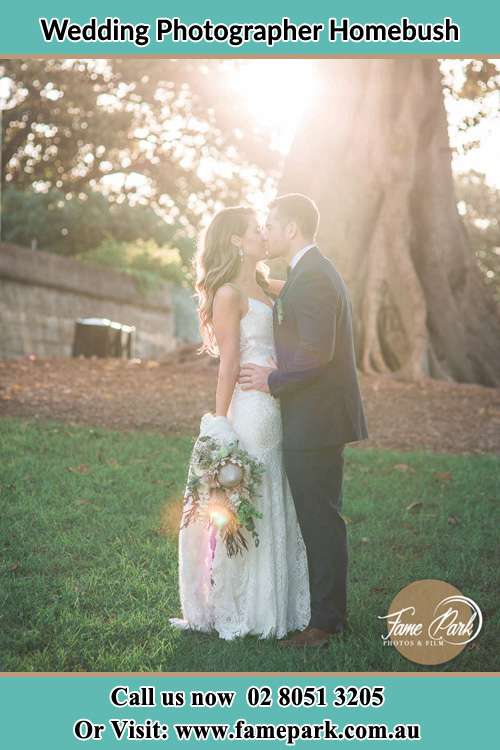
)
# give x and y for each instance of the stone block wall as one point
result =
(42, 295)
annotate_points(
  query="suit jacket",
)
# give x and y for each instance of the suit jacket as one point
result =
(316, 380)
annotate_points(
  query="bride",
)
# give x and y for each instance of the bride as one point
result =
(265, 590)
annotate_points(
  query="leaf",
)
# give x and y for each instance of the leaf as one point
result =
(453, 520)
(82, 501)
(404, 467)
(81, 469)
(417, 505)
(443, 476)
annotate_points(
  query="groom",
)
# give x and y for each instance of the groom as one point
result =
(317, 385)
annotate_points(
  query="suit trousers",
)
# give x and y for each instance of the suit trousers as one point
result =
(315, 478)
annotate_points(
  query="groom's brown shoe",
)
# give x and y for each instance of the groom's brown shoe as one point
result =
(314, 637)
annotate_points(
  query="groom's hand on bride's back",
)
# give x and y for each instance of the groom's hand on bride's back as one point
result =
(254, 377)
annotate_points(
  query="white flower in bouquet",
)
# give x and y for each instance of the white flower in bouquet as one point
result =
(222, 488)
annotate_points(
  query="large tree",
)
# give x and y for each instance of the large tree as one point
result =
(373, 151)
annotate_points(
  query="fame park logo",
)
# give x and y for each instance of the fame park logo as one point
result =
(430, 622)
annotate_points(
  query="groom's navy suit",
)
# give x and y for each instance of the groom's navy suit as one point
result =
(321, 408)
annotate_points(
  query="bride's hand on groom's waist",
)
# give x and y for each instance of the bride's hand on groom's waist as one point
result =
(254, 377)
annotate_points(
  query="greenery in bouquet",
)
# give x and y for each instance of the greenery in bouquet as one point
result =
(223, 483)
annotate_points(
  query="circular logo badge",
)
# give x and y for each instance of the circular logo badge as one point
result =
(431, 622)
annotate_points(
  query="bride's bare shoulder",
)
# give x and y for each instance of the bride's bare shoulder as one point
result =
(227, 298)
(228, 292)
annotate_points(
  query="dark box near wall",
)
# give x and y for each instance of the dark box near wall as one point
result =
(101, 337)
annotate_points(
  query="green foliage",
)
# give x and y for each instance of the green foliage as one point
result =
(207, 459)
(88, 570)
(480, 207)
(166, 127)
(481, 77)
(57, 224)
(70, 225)
(143, 260)
(478, 82)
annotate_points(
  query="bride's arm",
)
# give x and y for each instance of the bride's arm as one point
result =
(226, 323)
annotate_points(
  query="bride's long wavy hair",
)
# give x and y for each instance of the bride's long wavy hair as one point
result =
(217, 262)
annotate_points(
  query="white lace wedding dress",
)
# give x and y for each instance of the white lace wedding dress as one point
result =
(264, 591)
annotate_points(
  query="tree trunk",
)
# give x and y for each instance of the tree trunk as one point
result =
(373, 152)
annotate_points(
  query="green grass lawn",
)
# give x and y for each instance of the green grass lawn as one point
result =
(88, 561)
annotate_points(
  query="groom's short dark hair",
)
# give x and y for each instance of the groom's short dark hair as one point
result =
(299, 208)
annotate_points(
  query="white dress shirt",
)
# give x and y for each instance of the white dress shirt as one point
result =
(299, 255)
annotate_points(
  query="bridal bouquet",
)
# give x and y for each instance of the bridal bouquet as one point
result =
(222, 482)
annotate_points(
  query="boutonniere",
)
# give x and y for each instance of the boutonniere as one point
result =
(279, 310)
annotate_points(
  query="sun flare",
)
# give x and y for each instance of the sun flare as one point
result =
(277, 93)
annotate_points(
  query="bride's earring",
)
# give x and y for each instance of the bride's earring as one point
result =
(241, 253)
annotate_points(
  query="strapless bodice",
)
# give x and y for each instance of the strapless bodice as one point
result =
(256, 333)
